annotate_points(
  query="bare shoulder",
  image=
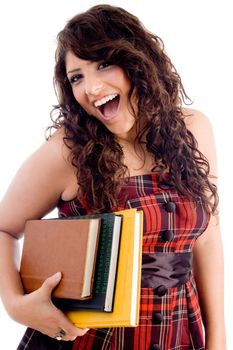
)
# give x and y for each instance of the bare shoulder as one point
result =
(45, 177)
(196, 121)
(60, 154)
(55, 144)
(200, 126)
(52, 157)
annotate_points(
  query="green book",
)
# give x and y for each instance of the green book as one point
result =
(106, 267)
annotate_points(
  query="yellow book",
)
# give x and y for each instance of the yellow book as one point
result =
(127, 294)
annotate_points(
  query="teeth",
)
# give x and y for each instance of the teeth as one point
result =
(104, 100)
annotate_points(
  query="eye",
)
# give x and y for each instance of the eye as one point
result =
(75, 79)
(105, 64)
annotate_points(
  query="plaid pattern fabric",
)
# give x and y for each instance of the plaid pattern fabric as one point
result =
(169, 322)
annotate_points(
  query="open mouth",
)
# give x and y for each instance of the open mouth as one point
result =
(109, 109)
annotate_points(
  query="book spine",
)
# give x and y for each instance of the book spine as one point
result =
(103, 257)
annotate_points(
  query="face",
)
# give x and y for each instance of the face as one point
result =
(102, 91)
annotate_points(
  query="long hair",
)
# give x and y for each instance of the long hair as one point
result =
(112, 34)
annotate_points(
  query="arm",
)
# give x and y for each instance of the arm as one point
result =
(41, 181)
(208, 271)
(208, 252)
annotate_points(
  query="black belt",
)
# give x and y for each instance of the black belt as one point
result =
(165, 270)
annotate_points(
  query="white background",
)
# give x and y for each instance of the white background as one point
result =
(198, 38)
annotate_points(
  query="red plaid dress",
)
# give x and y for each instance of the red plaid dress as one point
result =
(169, 322)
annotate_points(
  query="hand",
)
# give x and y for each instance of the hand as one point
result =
(37, 311)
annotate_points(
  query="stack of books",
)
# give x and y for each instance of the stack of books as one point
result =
(99, 257)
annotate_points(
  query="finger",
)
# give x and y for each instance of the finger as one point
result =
(79, 332)
(72, 335)
(72, 332)
(50, 283)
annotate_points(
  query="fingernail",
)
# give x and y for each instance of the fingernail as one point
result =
(57, 275)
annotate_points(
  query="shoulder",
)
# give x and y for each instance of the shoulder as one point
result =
(200, 126)
(196, 121)
(55, 158)
(55, 146)
(54, 153)
(51, 156)
(45, 177)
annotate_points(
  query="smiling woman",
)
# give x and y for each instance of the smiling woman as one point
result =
(123, 139)
(150, 96)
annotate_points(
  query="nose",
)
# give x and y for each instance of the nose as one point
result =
(93, 85)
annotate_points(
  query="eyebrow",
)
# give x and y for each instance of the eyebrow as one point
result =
(78, 69)
(74, 70)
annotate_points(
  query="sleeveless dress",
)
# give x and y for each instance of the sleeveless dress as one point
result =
(171, 320)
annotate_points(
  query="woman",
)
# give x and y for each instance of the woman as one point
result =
(123, 140)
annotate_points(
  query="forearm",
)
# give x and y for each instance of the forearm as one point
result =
(10, 282)
(34, 310)
(209, 275)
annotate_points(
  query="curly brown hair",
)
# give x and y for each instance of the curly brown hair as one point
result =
(108, 33)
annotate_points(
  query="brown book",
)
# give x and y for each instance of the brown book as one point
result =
(68, 246)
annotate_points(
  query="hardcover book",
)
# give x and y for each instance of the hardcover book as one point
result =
(127, 293)
(68, 246)
(106, 267)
